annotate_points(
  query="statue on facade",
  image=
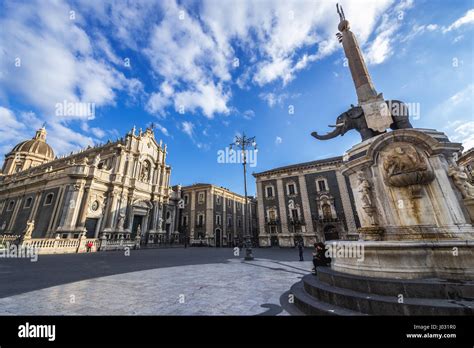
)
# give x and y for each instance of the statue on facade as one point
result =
(97, 160)
(460, 179)
(363, 186)
(121, 221)
(145, 173)
(30, 226)
(365, 189)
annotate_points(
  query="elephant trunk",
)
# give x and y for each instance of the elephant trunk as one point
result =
(337, 131)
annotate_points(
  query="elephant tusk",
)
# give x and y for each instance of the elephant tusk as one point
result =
(336, 125)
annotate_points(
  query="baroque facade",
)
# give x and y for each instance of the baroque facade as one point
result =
(309, 201)
(116, 190)
(214, 216)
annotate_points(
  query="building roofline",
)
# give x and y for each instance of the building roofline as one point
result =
(304, 165)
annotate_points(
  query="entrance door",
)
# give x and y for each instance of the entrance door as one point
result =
(137, 220)
(91, 225)
(218, 237)
(330, 233)
(274, 241)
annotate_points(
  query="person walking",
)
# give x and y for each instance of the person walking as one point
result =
(301, 250)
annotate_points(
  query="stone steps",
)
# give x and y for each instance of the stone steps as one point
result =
(411, 288)
(310, 305)
(334, 293)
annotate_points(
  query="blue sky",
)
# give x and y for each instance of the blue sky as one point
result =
(206, 71)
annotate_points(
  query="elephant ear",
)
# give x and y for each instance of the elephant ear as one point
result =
(355, 112)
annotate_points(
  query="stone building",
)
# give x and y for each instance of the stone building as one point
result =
(309, 201)
(115, 190)
(467, 161)
(214, 216)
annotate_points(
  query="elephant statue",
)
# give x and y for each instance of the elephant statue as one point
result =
(354, 119)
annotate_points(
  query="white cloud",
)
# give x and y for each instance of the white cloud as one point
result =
(162, 129)
(381, 48)
(249, 114)
(188, 128)
(468, 18)
(465, 134)
(57, 58)
(278, 140)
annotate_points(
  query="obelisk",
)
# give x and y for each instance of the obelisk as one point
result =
(376, 111)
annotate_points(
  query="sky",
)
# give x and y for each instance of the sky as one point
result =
(204, 72)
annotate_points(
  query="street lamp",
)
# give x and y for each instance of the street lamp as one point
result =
(241, 143)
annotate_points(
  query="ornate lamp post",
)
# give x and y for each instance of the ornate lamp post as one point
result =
(241, 143)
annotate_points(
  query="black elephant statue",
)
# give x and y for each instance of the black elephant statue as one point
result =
(354, 119)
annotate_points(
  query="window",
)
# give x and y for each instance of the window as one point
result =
(18, 168)
(218, 220)
(28, 202)
(294, 214)
(185, 220)
(201, 197)
(239, 222)
(321, 185)
(186, 199)
(11, 205)
(229, 203)
(291, 189)
(269, 191)
(218, 200)
(168, 215)
(49, 199)
(201, 220)
(229, 221)
(272, 215)
(238, 205)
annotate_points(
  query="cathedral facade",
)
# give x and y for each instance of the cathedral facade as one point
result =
(116, 190)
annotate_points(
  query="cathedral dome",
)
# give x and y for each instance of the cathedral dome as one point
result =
(28, 153)
(36, 146)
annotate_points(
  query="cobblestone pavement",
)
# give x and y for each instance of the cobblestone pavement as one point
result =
(196, 281)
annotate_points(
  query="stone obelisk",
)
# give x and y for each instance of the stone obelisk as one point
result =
(376, 111)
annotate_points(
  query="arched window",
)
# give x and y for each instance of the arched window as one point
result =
(48, 199)
(28, 202)
(11, 205)
(269, 191)
(322, 184)
(291, 189)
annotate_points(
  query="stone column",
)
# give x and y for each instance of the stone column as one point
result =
(264, 238)
(192, 197)
(112, 211)
(209, 213)
(346, 203)
(308, 219)
(81, 221)
(282, 207)
(70, 208)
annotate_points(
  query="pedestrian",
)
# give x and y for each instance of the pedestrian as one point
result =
(89, 246)
(319, 257)
(300, 250)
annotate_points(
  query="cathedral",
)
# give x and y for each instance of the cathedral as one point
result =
(114, 190)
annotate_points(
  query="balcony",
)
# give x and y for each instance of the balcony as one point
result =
(322, 220)
(272, 221)
(296, 222)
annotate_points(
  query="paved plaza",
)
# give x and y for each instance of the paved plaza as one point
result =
(174, 281)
